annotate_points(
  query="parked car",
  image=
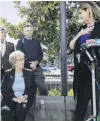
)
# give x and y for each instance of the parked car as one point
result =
(70, 67)
(56, 72)
(49, 68)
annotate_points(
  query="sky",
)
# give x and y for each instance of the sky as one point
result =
(7, 11)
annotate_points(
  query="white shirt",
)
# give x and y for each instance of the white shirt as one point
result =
(3, 48)
(29, 38)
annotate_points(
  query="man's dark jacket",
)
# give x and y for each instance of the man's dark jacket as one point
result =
(5, 58)
(32, 50)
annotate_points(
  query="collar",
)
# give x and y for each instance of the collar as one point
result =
(29, 38)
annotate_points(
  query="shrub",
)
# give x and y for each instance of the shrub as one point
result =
(56, 92)
(70, 92)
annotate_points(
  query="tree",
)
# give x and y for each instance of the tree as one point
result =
(43, 15)
(14, 31)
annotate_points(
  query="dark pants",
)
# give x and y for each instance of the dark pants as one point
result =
(40, 80)
(83, 90)
(2, 75)
(15, 111)
(83, 97)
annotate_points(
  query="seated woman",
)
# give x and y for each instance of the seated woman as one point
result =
(18, 89)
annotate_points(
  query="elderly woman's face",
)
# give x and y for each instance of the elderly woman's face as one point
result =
(19, 62)
(84, 15)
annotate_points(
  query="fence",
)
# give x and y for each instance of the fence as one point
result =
(54, 81)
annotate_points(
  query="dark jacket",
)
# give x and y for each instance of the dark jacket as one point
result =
(9, 76)
(32, 50)
(5, 59)
(82, 74)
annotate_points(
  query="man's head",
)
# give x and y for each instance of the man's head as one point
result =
(2, 34)
(28, 30)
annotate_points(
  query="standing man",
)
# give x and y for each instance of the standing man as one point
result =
(33, 56)
(5, 49)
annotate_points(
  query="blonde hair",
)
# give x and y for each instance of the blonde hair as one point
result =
(93, 9)
(13, 55)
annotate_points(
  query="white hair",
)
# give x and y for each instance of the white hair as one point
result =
(13, 55)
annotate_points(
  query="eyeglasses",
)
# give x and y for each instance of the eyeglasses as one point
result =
(21, 59)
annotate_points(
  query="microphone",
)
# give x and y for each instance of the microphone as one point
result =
(84, 48)
(89, 55)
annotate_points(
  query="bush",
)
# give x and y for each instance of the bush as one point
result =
(56, 92)
(37, 92)
(70, 92)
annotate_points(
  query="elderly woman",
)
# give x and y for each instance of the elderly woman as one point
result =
(18, 89)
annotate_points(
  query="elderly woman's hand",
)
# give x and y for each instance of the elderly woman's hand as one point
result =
(22, 99)
(15, 99)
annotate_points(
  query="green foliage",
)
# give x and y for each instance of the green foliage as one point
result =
(15, 31)
(37, 92)
(56, 92)
(70, 92)
(44, 15)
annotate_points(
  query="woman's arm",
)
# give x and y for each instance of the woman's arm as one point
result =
(6, 92)
(72, 43)
(81, 32)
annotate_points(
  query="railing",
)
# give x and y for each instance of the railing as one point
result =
(54, 81)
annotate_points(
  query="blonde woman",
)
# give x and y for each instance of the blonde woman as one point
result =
(18, 89)
(89, 13)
